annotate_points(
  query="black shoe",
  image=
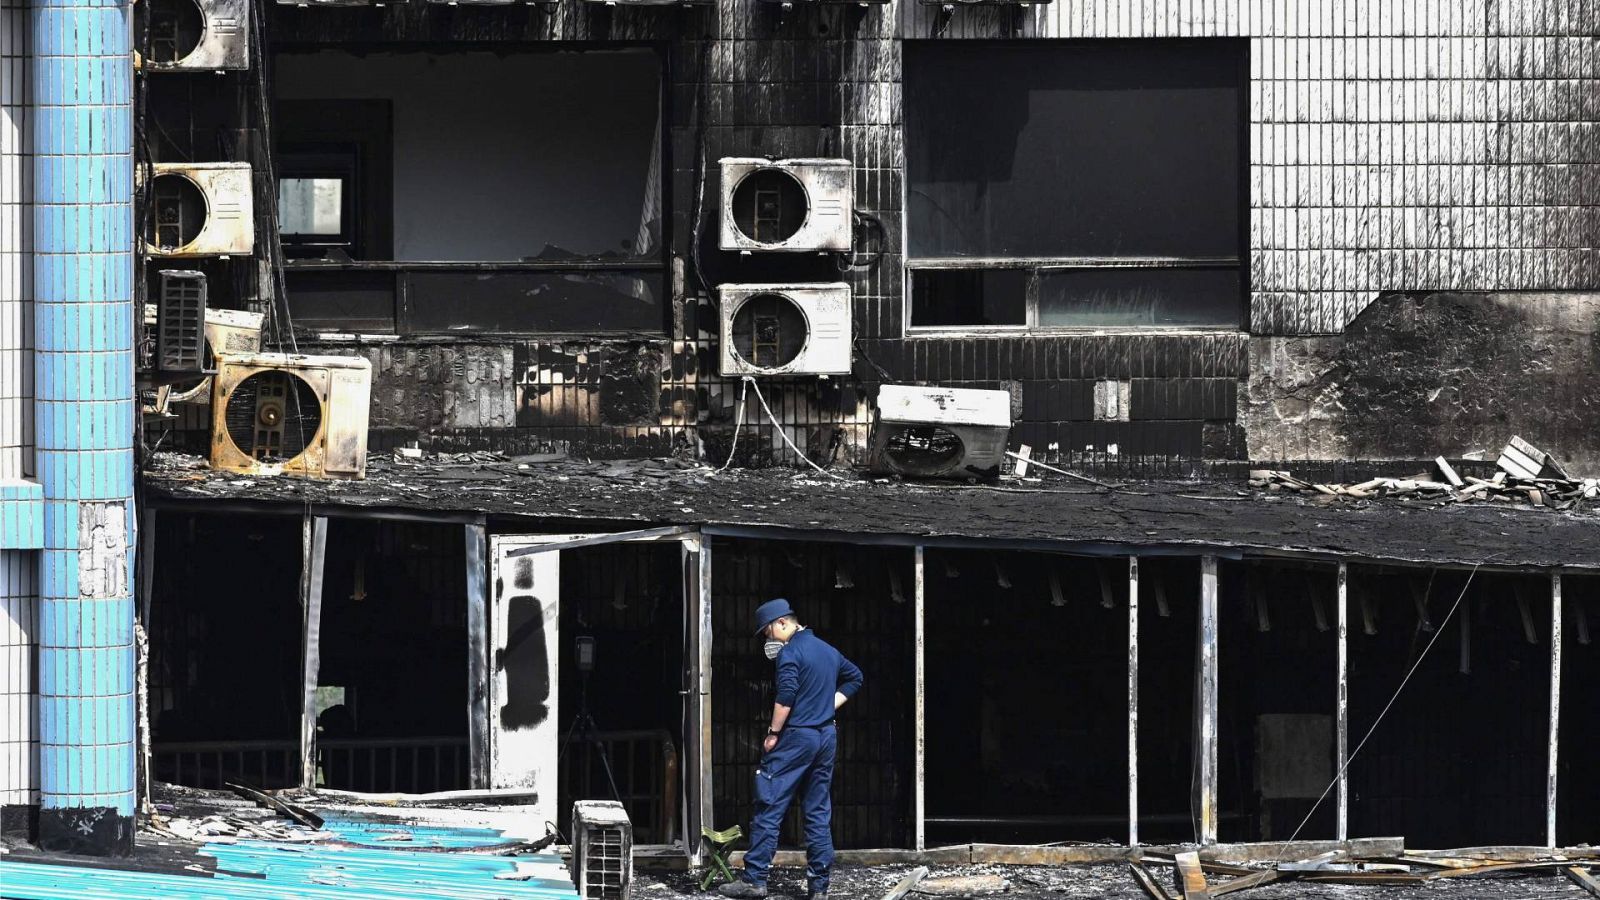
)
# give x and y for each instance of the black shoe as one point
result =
(743, 890)
(818, 895)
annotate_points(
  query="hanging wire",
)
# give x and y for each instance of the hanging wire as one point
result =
(785, 435)
(738, 425)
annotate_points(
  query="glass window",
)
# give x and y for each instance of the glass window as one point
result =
(1056, 156)
(311, 206)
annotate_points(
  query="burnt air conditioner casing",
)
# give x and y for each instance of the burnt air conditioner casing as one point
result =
(231, 332)
(939, 432)
(249, 418)
(225, 191)
(813, 323)
(224, 38)
(760, 211)
(602, 850)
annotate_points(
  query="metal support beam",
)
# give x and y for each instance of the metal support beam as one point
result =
(477, 554)
(919, 740)
(1206, 707)
(1133, 701)
(1555, 710)
(705, 801)
(313, 551)
(1342, 712)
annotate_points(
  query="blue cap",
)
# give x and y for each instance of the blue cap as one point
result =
(771, 611)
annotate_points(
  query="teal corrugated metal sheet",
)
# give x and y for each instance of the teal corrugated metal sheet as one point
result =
(374, 860)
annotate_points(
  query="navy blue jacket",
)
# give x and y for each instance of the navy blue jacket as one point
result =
(809, 672)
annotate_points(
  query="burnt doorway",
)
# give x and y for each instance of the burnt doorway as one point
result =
(622, 648)
(1578, 781)
(391, 696)
(861, 600)
(1027, 697)
(224, 625)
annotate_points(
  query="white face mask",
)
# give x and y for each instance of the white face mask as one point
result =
(772, 649)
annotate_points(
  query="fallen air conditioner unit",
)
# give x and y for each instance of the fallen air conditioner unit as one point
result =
(785, 329)
(602, 850)
(231, 332)
(277, 413)
(200, 209)
(194, 35)
(787, 205)
(938, 432)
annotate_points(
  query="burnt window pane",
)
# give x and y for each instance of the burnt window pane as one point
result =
(1115, 298)
(969, 297)
(1063, 148)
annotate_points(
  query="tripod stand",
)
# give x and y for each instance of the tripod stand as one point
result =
(587, 732)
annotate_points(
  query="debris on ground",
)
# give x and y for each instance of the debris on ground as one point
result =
(962, 886)
(1526, 474)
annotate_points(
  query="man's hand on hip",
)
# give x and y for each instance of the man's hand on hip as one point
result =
(769, 743)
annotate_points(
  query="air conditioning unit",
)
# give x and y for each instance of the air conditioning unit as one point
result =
(199, 209)
(787, 205)
(334, 2)
(276, 413)
(232, 332)
(180, 322)
(785, 329)
(602, 850)
(194, 35)
(937, 432)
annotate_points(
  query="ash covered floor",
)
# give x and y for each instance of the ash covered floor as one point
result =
(1107, 880)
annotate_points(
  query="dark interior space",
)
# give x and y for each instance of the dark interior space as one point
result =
(1578, 781)
(1169, 619)
(627, 599)
(1460, 758)
(1027, 685)
(224, 623)
(861, 600)
(392, 683)
(1277, 648)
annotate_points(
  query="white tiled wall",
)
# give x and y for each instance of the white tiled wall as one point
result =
(1394, 144)
(16, 321)
(19, 728)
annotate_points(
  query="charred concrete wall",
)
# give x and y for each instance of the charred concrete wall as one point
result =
(1435, 147)
(1419, 375)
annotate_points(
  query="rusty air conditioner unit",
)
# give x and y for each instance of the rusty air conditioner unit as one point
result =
(200, 209)
(787, 205)
(785, 329)
(275, 413)
(180, 338)
(193, 35)
(602, 850)
(939, 432)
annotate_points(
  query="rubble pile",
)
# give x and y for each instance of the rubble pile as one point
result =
(226, 829)
(1526, 475)
(1338, 867)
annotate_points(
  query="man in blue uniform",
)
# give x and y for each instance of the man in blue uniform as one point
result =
(813, 680)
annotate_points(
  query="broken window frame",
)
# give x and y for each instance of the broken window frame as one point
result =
(1035, 267)
(651, 269)
(1042, 265)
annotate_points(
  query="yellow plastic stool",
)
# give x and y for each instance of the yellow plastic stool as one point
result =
(717, 843)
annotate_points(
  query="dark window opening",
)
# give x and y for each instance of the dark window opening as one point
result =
(1440, 778)
(531, 182)
(1027, 686)
(954, 297)
(225, 626)
(626, 602)
(1578, 778)
(1051, 156)
(391, 701)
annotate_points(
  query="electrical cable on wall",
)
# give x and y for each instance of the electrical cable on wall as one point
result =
(784, 434)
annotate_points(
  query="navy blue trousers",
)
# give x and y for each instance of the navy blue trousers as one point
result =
(801, 763)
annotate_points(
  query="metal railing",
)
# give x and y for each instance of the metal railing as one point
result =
(645, 764)
(380, 765)
(211, 764)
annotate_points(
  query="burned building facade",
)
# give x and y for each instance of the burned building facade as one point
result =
(1181, 237)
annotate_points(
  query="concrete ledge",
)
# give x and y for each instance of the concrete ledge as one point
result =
(1028, 855)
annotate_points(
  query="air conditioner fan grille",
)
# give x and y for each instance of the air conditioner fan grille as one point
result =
(272, 416)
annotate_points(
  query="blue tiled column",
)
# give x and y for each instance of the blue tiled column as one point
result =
(83, 358)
